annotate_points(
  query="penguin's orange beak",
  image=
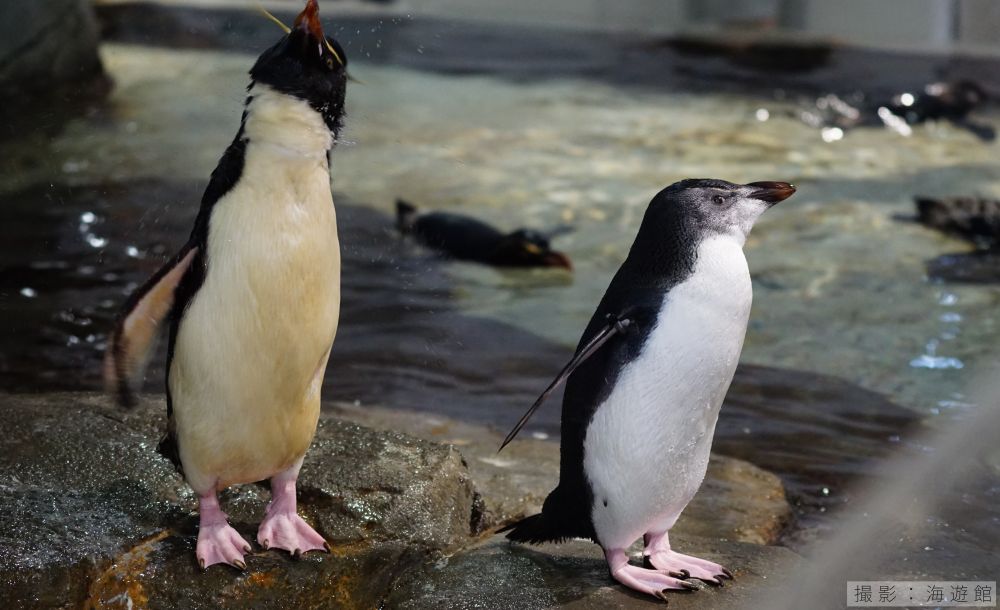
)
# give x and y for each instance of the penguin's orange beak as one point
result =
(308, 21)
(558, 259)
(772, 192)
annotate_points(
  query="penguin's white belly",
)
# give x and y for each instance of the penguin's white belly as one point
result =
(252, 346)
(647, 447)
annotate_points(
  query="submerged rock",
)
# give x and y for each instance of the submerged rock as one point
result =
(980, 267)
(94, 516)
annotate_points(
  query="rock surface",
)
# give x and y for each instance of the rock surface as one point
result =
(48, 50)
(502, 576)
(94, 516)
(738, 501)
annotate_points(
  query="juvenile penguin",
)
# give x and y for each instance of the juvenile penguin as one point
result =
(647, 381)
(469, 239)
(252, 300)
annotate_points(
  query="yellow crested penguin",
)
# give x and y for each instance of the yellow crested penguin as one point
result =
(252, 300)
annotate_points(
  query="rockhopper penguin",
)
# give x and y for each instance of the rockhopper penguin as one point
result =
(644, 388)
(469, 239)
(252, 299)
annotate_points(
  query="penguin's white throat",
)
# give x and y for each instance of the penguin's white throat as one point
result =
(286, 123)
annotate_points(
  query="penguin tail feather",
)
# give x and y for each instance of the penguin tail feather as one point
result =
(535, 529)
(406, 216)
(133, 339)
(168, 449)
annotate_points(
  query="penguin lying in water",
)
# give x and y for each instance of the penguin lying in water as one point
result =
(950, 101)
(973, 218)
(252, 300)
(469, 239)
(643, 390)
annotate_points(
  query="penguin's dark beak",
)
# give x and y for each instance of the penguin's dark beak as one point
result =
(771, 192)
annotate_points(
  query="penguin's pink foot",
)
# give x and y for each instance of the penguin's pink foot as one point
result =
(288, 531)
(661, 557)
(218, 542)
(653, 582)
(283, 528)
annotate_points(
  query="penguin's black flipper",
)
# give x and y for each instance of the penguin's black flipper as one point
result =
(406, 216)
(134, 336)
(615, 326)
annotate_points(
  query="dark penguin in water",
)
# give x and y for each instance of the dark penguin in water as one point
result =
(469, 239)
(975, 218)
(950, 101)
(252, 300)
(644, 388)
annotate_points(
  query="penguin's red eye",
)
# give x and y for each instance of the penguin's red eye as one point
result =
(718, 200)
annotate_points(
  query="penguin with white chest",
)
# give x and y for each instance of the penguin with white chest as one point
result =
(643, 390)
(252, 300)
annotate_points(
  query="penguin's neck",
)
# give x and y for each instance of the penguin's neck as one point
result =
(285, 123)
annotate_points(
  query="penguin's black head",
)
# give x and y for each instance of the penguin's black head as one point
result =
(960, 96)
(719, 207)
(529, 248)
(308, 65)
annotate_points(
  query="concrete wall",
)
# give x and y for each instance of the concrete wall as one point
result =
(935, 25)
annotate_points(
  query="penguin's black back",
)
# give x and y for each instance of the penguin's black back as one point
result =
(224, 177)
(459, 236)
(662, 256)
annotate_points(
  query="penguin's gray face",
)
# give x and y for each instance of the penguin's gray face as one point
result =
(308, 65)
(720, 207)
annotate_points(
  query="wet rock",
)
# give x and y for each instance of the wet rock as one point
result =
(755, 52)
(94, 515)
(48, 51)
(980, 267)
(821, 435)
(364, 485)
(738, 500)
(500, 575)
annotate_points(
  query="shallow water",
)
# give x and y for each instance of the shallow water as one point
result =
(840, 286)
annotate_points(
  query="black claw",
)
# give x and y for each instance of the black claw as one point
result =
(201, 562)
(326, 545)
(717, 581)
(239, 564)
(690, 586)
(686, 574)
(265, 543)
(297, 554)
(727, 573)
(663, 595)
(678, 575)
